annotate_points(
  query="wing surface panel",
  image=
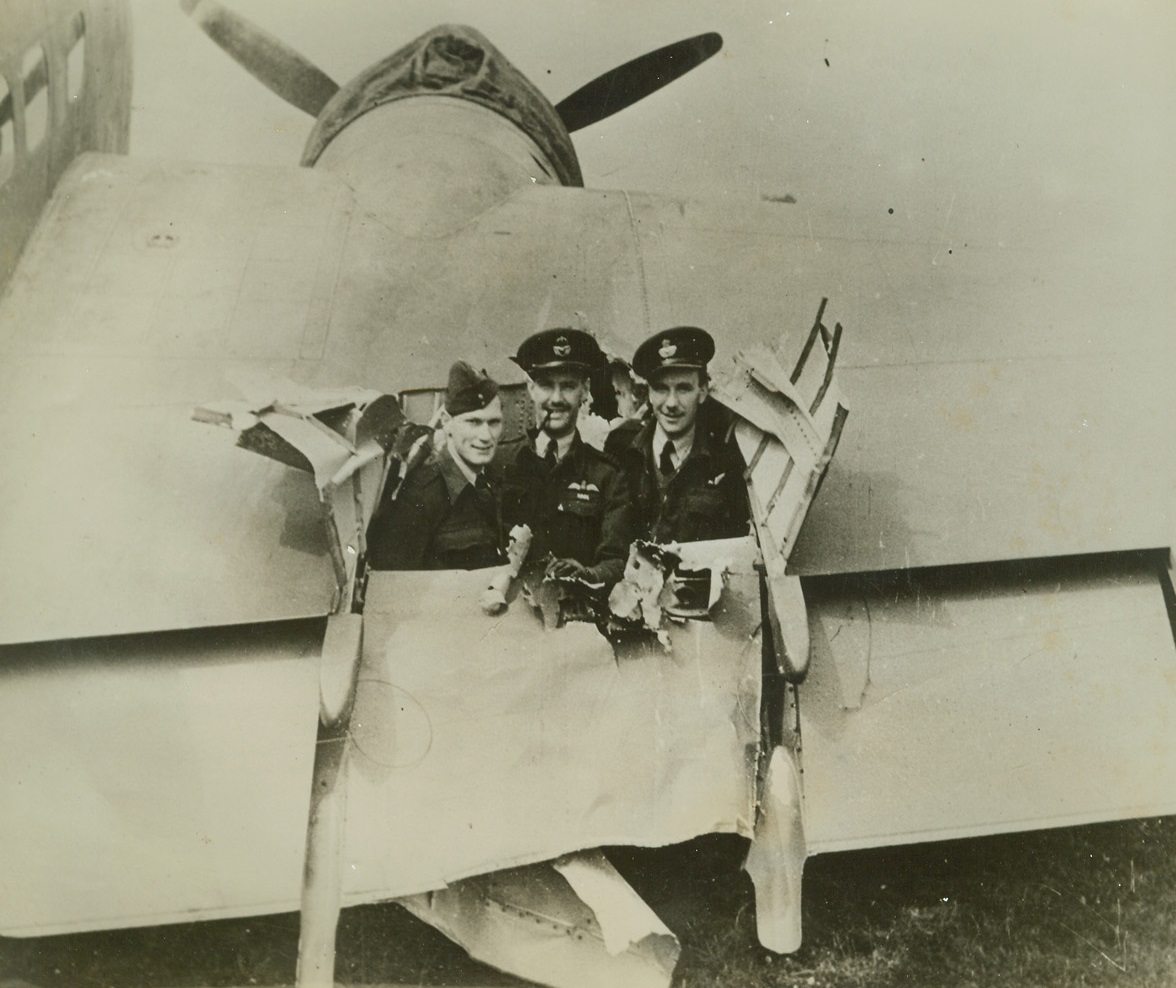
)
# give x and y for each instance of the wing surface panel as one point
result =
(481, 743)
(979, 461)
(144, 289)
(943, 709)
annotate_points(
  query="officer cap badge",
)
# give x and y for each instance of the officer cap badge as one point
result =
(560, 347)
(681, 347)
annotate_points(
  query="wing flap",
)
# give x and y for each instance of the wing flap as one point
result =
(481, 743)
(1012, 698)
(155, 779)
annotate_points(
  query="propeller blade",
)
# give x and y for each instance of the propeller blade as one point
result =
(626, 84)
(269, 60)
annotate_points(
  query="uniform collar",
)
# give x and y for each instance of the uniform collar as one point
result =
(456, 474)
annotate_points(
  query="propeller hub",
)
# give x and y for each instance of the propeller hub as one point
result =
(455, 61)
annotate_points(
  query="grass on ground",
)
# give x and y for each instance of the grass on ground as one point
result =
(1074, 908)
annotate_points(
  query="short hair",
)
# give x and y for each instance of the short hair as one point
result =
(703, 375)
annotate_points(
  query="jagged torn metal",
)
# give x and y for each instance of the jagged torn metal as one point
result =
(569, 923)
(673, 582)
(776, 859)
(788, 429)
(344, 437)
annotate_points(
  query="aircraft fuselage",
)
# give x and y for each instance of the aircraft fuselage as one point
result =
(65, 88)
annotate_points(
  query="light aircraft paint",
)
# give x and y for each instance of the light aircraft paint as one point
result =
(1029, 204)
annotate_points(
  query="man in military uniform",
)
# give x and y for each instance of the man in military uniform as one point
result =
(683, 466)
(447, 513)
(574, 497)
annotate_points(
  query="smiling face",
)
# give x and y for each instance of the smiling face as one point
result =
(675, 395)
(558, 395)
(473, 436)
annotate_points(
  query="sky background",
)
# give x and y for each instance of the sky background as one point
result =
(1007, 123)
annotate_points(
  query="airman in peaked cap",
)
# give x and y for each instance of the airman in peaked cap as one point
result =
(686, 347)
(556, 348)
(684, 468)
(572, 495)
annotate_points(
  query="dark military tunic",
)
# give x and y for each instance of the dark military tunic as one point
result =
(621, 437)
(705, 498)
(438, 521)
(579, 510)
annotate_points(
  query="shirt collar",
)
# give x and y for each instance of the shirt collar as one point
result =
(562, 445)
(682, 445)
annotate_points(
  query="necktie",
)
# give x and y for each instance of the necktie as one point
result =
(551, 454)
(665, 462)
(481, 483)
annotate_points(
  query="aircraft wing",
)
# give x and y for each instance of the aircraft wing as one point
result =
(1014, 697)
(143, 284)
(1015, 423)
(155, 778)
(157, 760)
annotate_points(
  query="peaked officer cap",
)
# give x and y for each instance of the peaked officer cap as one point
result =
(554, 348)
(468, 390)
(682, 346)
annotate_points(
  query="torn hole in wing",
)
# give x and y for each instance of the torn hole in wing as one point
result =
(660, 586)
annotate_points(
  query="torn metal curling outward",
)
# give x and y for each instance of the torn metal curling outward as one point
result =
(636, 599)
(345, 437)
(569, 923)
(664, 583)
(789, 424)
(493, 600)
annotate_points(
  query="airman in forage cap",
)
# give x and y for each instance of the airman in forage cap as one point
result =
(447, 513)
